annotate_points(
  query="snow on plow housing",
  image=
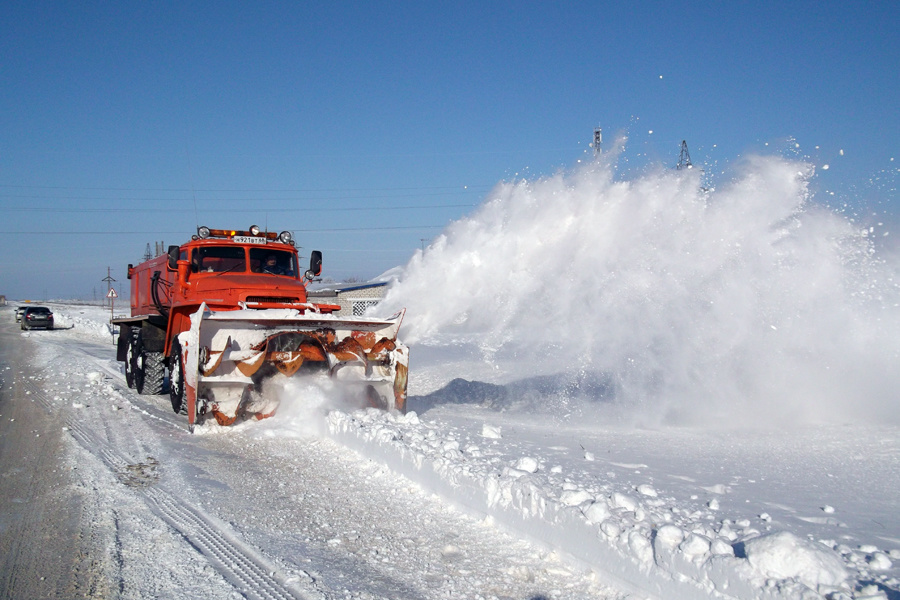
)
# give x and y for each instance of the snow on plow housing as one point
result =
(230, 355)
(227, 312)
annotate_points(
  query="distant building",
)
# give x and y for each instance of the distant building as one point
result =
(353, 298)
(2, 300)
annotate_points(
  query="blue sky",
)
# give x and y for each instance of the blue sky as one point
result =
(366, 127)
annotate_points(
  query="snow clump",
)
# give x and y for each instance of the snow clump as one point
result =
(783, 555)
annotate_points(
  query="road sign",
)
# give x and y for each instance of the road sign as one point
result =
(112, 293)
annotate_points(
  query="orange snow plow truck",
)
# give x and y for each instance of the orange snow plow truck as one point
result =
(227, 312)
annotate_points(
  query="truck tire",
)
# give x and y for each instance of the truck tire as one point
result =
(153, 373)
(176, 378)
(149, 370)
(130, 358)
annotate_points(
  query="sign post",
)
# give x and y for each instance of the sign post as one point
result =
(112, 295)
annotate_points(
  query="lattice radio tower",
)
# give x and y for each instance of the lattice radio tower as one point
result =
(684, 160)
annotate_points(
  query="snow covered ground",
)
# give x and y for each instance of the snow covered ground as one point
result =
(278, 511)
(661, 391)
(695, 387)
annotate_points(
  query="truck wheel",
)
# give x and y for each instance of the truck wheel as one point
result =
(149, 370)
(130, 358)
(176, 378)
(154, 371)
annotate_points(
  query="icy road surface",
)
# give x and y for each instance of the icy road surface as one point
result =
(105, 493)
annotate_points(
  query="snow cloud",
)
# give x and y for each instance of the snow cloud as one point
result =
(742, 304)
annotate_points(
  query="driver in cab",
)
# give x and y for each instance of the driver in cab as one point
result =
(271, 266)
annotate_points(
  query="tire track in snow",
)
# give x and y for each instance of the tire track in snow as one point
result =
(244, 569)
(240, 564)
(103, 361)
(38, 395)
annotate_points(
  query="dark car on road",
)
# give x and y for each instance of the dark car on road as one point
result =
(37, 317)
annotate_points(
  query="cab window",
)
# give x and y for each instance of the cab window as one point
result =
(272, 262)
(218, 259)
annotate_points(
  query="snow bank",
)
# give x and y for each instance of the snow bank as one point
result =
(84, 321)
(643, 539)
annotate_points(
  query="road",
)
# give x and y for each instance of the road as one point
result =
(45, 540)
(105, 494)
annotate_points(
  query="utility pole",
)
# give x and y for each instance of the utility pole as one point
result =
(109, 280)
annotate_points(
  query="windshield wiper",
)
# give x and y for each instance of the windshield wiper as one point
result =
(231, 268)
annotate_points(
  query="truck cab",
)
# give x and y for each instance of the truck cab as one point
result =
(227, 311)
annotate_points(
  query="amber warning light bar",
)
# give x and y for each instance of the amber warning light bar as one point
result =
(252, 236)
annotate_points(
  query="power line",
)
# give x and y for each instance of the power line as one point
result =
(235, 210)
(313, 230)
(243, 190)
(218, 201)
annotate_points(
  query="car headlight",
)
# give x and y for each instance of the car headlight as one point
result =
(285, 237)
(254, 230)
(203, 232)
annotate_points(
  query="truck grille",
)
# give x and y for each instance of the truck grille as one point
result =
(271, 300)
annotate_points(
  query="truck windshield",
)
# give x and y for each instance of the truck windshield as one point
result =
(274, 262)
(216, 259)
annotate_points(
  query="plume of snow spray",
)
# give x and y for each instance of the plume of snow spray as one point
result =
(741, 304)
(303, 404)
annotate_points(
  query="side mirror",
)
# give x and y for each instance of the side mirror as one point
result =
(174, 254)
(315, 264)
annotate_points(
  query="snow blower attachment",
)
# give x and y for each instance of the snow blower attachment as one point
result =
(228, 314)
(229, 356)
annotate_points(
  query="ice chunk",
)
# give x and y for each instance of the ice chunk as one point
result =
(574, 497)
(695, 546)
(597, 512)
(527, 464)
(647, 490)
(625, 501)
(879, 561)
(669, 536)
(720, 547)
(783, 555)
(870, 592)
(491, 431)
